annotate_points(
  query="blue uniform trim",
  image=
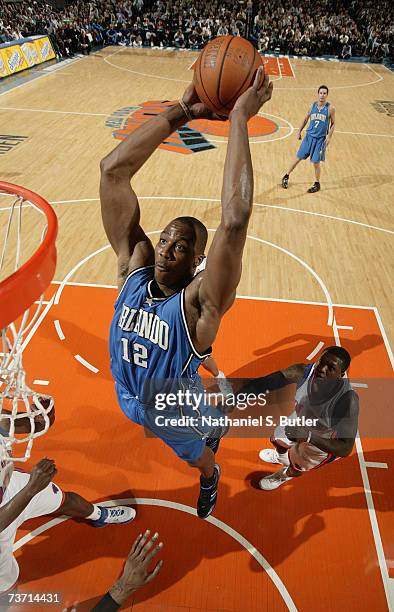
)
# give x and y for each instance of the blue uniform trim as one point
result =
(129, 276)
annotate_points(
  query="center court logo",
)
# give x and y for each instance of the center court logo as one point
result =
(187, 139)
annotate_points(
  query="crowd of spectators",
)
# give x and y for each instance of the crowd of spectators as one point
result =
(338, 28)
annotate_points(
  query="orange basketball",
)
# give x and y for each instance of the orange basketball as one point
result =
(224, 69)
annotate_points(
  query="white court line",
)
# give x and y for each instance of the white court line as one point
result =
(315, 351)
(357, 385)
(274, 206)
(164, 503)
(241, 297)
(58, 112)
(192, 64)
(384, 336)
(41, 302)
(370, 503)
(281, 127)
(345, 327)
(380, 78)
(365, 134)
(55, 282)
(291, 68)
(145, 74)
(376, 464)
(85, 363)
(37, 323)
(275, 246)
(74, 269)
(42, 75)
(41, 382)
(59, 329)
(25, 83)
(374, 71)
(61, 65)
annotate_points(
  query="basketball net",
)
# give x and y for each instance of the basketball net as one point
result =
(19, 404)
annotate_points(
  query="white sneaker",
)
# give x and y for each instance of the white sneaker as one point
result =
(271, 455)
(273, 481)
(114, 515)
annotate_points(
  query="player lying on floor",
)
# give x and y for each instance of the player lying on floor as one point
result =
(323, 396)
(24, 496)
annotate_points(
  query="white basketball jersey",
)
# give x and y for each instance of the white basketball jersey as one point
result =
(322, 410)
(6, 466)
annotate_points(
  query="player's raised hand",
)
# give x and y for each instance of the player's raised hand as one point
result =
(197, 108)
(41, 475)
(255, 96)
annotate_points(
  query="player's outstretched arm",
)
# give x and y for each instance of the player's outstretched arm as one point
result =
(119, 204)
(223, 269)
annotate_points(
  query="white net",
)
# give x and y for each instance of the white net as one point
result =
(25, 413)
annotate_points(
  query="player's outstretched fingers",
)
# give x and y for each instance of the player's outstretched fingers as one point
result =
(148, 546)
(154, 572)
(153, 552)
(258, 79)
(141, 543)
(134, 547)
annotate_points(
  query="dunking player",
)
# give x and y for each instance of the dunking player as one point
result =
(165, 318)
(321, 117)
(322, 427)
(24, 496)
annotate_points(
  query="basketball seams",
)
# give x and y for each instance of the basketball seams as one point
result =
(215, 81)
(221, 70)
(245, 80)
(199, 62)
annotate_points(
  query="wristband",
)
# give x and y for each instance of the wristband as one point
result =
(309, 436)
(186, 110)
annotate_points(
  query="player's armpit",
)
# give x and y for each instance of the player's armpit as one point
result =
(224, 265)
(138, 254)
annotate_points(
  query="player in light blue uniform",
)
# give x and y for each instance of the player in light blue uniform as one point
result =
(321, 117)
(166, 317)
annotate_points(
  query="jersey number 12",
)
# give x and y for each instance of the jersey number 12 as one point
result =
(135, 353)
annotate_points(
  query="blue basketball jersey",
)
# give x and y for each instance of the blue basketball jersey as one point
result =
(149, 337)
(319, 123)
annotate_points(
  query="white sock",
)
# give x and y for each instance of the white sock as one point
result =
(95, 514)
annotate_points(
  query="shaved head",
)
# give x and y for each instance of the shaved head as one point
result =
(199, 230)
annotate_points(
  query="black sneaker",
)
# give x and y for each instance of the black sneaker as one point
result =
(315, 187)
(208, 495)
(285, 181)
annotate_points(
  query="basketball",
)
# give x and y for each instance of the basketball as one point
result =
(224, 69)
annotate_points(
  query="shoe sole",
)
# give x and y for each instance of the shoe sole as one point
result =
(268, 461)
(273, 462)
(214, 506)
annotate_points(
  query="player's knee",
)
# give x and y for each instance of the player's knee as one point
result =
(69, 501)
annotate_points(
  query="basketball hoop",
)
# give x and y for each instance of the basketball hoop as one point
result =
(21, 295)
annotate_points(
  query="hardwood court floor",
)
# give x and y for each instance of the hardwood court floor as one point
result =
(330, 247)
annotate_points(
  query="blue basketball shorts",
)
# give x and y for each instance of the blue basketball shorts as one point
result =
(183, 429)
(314, 148)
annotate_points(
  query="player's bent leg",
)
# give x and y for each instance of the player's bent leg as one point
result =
(285, 177)
(77, 507)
